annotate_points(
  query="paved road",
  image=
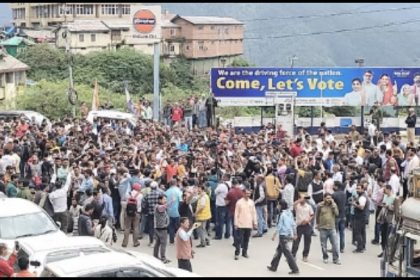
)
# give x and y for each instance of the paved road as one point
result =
(218, 259)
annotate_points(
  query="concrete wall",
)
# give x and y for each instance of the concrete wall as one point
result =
(333, 123)
(103, 39)
(202, 66)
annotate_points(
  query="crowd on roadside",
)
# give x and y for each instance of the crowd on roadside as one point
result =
(168, 182)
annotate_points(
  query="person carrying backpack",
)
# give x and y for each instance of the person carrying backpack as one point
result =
(132, 215)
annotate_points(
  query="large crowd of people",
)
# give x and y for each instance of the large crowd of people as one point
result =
(173, 181)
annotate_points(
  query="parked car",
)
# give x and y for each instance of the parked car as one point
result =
(112, 264)
(40, 254)
(28, 115)
(21, 219)
(112, 115)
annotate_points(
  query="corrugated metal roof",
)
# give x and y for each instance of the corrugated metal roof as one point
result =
(168, 23)
(84, 25)
(10, 64)
(208, 20)
(116, 24)
(39, 33)
(16, 41)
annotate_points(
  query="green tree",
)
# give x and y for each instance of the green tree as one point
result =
(239, 62)
(45, 61)
(50, 98)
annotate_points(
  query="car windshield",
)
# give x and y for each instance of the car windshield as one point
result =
(26, 225)
(73, 253)
(163, 271)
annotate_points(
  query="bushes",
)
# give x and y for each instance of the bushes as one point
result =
(50, 98)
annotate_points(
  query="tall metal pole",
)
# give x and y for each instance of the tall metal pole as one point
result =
(322, 101)
(360, 62)
(71, 84)
(156, 91)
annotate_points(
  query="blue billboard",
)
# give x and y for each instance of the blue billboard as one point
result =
(316, 86)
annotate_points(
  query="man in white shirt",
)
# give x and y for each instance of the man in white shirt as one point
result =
(373, 94)
(58, 199)
(288, 191)
(7, 160)
(394, 182)
(221, 191)
(337, 176)
(304, 216)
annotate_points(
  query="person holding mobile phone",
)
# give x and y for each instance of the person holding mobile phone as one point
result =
(183, 243)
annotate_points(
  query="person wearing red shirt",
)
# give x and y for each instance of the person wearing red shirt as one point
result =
(6, 265)
(296, 148)
(177, 114)
(235, 193)
(171, 170)
(21, 129)
(23, 263)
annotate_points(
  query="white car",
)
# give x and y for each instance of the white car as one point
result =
(21, 219)
(112, 264)
(29, 115)
(60, 249)
(112, 115)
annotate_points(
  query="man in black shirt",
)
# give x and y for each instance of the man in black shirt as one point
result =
(340, 198)
(411, 125)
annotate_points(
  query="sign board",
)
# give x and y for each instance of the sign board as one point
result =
(145, 24)
(317, 86)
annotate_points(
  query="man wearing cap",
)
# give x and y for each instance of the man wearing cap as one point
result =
(24, 191)
(151, 200)
(6, 265)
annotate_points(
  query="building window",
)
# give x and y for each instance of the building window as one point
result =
(187, 47)
(20, 78)
(200, 27)
(172, 48)
(173, 32)
(213, 27)
(9, 78)
(2, 84)
(115, 35)
(125, 9)
(81, 37)
(84, 9)
(109, 9)
(226, 30)
(93, 37)
(201, 45)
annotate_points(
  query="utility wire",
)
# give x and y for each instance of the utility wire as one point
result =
(332, 14)
(335, 31)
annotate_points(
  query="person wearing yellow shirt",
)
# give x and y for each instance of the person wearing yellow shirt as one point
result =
(202, 215)
(182, 171)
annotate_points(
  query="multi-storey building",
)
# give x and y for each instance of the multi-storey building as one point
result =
(41, 15)
(206, 41)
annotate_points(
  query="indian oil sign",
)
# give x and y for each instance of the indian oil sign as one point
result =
(145, 25)
(144, 21)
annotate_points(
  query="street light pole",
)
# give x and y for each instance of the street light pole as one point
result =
(360, 62)
(71, 91)
(156, 92)
(292, 60)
